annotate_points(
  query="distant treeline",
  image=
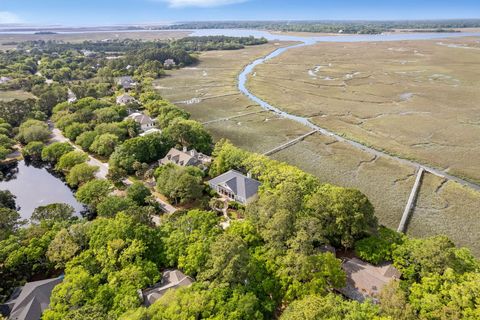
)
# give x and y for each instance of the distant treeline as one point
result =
(217, 43)
(127, 45)
(350, 27)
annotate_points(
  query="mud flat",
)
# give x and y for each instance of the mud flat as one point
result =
(447, 208)
(415, 99)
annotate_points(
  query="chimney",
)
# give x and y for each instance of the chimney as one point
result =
(249, 175)
(185, 149)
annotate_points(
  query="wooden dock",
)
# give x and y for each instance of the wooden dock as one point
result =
(289, 143)
(402, 227)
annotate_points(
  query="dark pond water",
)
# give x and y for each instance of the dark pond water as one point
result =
(34, 186)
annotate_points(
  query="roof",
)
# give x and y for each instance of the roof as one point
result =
(32, 300)
(185, 158)
(241, 185)
(365, 280)
(141, 118)
(4, 79)
(149, 131)
(171, 279)
(125, 99)
(126, 82)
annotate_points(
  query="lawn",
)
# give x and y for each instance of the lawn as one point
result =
(15, 94)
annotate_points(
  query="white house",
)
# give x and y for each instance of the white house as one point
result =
(146, 123)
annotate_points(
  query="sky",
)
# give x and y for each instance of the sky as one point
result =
(107, 12)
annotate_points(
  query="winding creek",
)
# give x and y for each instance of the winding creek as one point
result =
(306, 41)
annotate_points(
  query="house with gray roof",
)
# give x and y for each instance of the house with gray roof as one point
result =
(186, 157)
(29, 302)
(235, 186)
(125, 99)
(171, 279)
(126, 82)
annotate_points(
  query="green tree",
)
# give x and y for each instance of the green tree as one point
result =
(180, 184)
(9, 222)
(229, 261)
(378, 248)
(53, 212)
(138, 193)
(70, 159)
(418, 258)
(7, 200)
(105, 144)
(168, 113)
(394, 302)
(187, 238)
(86, 139)
(53, 152)
(329, 307)
(189, 133)
(447, 296)
(6, 142)
(75, 129)
(345, 215)
(33, 150)
(111, 205)
(33, 130)
(116, 174)
(93, 192)
(145, 149)
(62, 249)
(302, 275)
(81, 173)
(226, 156)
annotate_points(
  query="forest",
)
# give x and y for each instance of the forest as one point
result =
(348, 27)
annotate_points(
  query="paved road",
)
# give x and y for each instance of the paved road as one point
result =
(103, 170)
(102, 166)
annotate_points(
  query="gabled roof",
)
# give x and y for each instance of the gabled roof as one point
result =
(365, 280)
(171, 279)
(127, 82)
(185, 158)
(125, 99)
(141, 118)
(241, 185)
(33, 299)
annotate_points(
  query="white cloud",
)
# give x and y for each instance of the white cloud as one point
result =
(9, 17)
(200, 3)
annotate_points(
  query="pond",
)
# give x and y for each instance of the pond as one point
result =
(35, 186)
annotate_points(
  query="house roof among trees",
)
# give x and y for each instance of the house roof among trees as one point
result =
(29, 302)
(141, 118)
(185, 158)
(171, 279)
(365, 280)
(241, 185)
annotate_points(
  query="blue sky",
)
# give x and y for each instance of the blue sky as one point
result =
(104, 12)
